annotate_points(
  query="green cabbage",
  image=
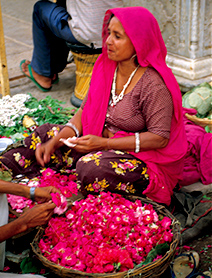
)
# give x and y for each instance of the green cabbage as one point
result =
(199, 98)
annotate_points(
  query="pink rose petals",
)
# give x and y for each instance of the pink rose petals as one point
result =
(18, 203)
(60, 202)
(65, 183)
(104, 234)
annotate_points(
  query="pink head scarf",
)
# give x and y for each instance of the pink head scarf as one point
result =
(165, 166)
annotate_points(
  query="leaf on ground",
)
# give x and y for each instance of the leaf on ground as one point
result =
(5, 175)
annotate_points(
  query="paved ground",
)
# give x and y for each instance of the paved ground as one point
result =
(18, 42)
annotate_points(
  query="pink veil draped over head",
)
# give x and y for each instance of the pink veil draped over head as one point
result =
(165, 166)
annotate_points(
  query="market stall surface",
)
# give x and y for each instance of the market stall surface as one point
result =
(18, 41)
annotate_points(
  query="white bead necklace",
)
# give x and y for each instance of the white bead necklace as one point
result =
(117, 98)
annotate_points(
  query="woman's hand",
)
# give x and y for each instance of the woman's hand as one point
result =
(43, 152)
(37, 216)
(89, 143)
(148, 141)
(43, 194)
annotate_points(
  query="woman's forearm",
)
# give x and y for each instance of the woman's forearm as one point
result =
(148, 141)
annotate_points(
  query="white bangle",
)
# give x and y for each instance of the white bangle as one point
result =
(32, 193)
(73, 127)
(137, 142)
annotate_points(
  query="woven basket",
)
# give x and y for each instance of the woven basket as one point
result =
(84, 67)
(198, 121)
(153, 269)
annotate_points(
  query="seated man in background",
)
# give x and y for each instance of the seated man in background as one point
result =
(37, 216)
(79, 23)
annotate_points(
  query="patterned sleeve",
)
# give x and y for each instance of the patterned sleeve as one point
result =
(157, 106)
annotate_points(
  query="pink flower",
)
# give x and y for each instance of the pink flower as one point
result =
(21, 162)
(72, 186)
(60, 202)
(56, 199)
(122, 166)
(48, 172)
(68, 259)
(60, 248)
(79, 266)
(96, 187)
(166, 222)
(129, 165)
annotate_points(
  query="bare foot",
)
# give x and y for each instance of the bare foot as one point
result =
(44, 81)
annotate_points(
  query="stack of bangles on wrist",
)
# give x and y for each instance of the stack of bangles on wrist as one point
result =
(137, 142)
(73, 127)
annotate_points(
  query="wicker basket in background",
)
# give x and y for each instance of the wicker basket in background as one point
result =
(84, 67)
(198, 121)
(153, 269)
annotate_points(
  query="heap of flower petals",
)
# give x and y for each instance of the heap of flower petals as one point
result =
(104, 234)
(18, 203)
(65, 183)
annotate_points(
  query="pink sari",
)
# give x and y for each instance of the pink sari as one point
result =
(165, 166)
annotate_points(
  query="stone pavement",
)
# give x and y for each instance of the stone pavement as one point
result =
(17, 23)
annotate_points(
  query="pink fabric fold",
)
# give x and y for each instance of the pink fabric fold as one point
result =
(165, 166)
(198, 159)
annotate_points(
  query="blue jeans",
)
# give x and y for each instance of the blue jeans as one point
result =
(50, 33)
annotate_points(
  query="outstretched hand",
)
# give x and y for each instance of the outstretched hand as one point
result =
(43, 194)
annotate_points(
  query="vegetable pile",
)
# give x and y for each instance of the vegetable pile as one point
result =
(200, 99)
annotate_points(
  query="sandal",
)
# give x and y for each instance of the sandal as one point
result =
(56, 80)
(185, 265)
(33, 79)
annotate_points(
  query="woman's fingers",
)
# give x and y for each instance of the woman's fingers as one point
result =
(39, 155)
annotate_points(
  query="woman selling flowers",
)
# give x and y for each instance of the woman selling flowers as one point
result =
(128, 135)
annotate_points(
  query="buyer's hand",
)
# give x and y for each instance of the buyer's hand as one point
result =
(37, 216)
(89, 143)
(43, 194)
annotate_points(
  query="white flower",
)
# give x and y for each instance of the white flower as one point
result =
(13, 107)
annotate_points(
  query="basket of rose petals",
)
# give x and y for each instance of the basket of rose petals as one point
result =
(109, 235)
